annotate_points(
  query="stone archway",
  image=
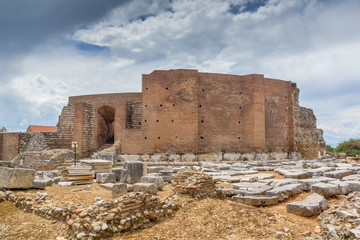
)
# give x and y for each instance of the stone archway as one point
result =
(105, 130)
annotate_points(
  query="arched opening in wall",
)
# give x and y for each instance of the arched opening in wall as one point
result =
(106, 116)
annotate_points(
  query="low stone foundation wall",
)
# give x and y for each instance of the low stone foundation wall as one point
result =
(190, 157)
(101, 219)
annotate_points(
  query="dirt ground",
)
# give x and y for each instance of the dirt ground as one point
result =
(204, 219)
(16, 224)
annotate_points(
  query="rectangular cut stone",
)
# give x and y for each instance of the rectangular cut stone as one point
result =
(326, 189)
(338, 174)
(145, 188)
(256, 200)
(17, 178)
(320, 171)
(228, 179)
(247, 185)
(119, 172)
(119, 190)
(312, 205)
(311, 181)
(286, 191)
(134, 172)
(297, 175)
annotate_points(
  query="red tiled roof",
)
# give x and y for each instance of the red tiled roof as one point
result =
(35, 128)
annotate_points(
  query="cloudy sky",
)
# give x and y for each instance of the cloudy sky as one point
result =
(52, 49)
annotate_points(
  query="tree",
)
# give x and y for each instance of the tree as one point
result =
(351, 147)
(330, 148)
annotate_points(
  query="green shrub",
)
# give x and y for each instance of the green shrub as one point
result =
(330, 148)
(351, 147)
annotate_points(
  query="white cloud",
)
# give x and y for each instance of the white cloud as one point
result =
(313, 43)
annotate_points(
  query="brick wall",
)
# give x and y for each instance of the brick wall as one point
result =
(278, 122)
(182, 111)
(170, 111)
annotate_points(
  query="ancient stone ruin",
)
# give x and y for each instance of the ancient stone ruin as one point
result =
(187, 137)
(184, 111)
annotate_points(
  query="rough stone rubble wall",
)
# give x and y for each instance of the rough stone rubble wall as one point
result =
(308, 139)
(106, 218)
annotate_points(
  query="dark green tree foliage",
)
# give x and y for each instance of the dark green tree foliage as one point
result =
(329, 148)
(351, 147)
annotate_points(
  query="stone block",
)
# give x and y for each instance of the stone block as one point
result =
(283, 182)
(256, 200)
(157, 180)
(39, 184)
(166, 175)
(159, 157)
(338, 174)
(326, 189)
(154, 169)
(312, 205)
(225, 178)
(105, 177)
(129, 158)
(134, 172)
(119, 172)
(107, 186)
(145, 188)
(48, 181)
(232, 157)
(355, 177)
(189, 157)
(311, 181)
(247, 185)
(254, 191)
(320, 171)
(297, 175)
(210, 157)
(17, 178)
(354, 186)
(56, 180)
(66, 184)
(119, 190)
(174, 158)
(286, 191)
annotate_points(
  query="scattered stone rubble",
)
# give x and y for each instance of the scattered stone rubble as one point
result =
(127, 211)
(102, 218)
(342, 221)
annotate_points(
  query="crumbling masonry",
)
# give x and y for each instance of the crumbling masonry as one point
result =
(186, 111)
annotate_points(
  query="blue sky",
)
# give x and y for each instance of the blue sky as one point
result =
(53, 49)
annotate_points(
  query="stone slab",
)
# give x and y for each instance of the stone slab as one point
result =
(39, 184)
(134, 172)
(107, 186)
(145, 188)
(16, 178)
(325, 189)
(338, 174)
(255, 200)
(157, 180)
(119, 190)
(312, 205)
(105, 177)
(286, 191)
(311, 181)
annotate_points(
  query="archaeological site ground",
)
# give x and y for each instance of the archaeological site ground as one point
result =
(193, 156)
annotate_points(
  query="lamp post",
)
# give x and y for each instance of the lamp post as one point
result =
(74, 145)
